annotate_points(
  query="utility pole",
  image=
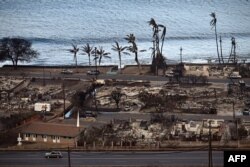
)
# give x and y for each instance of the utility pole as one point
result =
(181, 54)
(96, 109)
(69, 157)
(210, 156)
(43, 77)
(95, 63)
(234, 48)
(64, 107)
(233, 112)
(237, 133)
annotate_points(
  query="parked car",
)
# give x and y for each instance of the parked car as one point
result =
(127, 108)
(234, 75)
(246, 112)
(90, 114)
(66, 71)
(53, 154)
(93, 72)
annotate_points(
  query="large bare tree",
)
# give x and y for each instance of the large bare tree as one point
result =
(16, 50)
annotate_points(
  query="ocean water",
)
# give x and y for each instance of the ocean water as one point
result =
(52, 25)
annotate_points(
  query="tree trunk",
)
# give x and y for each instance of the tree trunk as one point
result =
(137, 61)
(13, 62)
(117, 105)
(153, 65)
(120, 59)
(100, 61)
(89, 60)
(217, 44)
(76, 62)
(235, 54)
(162, 43)
(15, 65)
(221, 50)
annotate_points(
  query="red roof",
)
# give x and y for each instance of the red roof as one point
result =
(52, 129)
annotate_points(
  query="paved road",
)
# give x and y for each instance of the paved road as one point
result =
(109, 159)
(118, 76)
(105, 118)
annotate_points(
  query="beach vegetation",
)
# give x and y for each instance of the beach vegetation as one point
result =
(16, 50)
(134, 49)
(101, 53)
(87, 50)
(74, 51)
(120, 50)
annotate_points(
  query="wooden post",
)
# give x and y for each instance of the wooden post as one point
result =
(69, 163)
(181, 54)
(233, 112)
(64, 107)
(103, 144)
(93, 144)
(210, 157)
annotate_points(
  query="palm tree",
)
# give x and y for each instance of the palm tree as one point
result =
(133, 48)
(121, 50)
(87, 49)
(101, 53)
(94, 53)
(158, 39)
(74, 50)
(213, 23)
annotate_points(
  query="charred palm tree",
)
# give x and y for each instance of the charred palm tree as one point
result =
(87, 50)
(157, 28)
(102, 54)
(74, 50)
(232, 57)
(120, 50)
(134, 49)
(116, 95)
(213, 23)
(159, 32)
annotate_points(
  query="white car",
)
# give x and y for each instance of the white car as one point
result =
(93, 72)
(53, 154)
(66, 71)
